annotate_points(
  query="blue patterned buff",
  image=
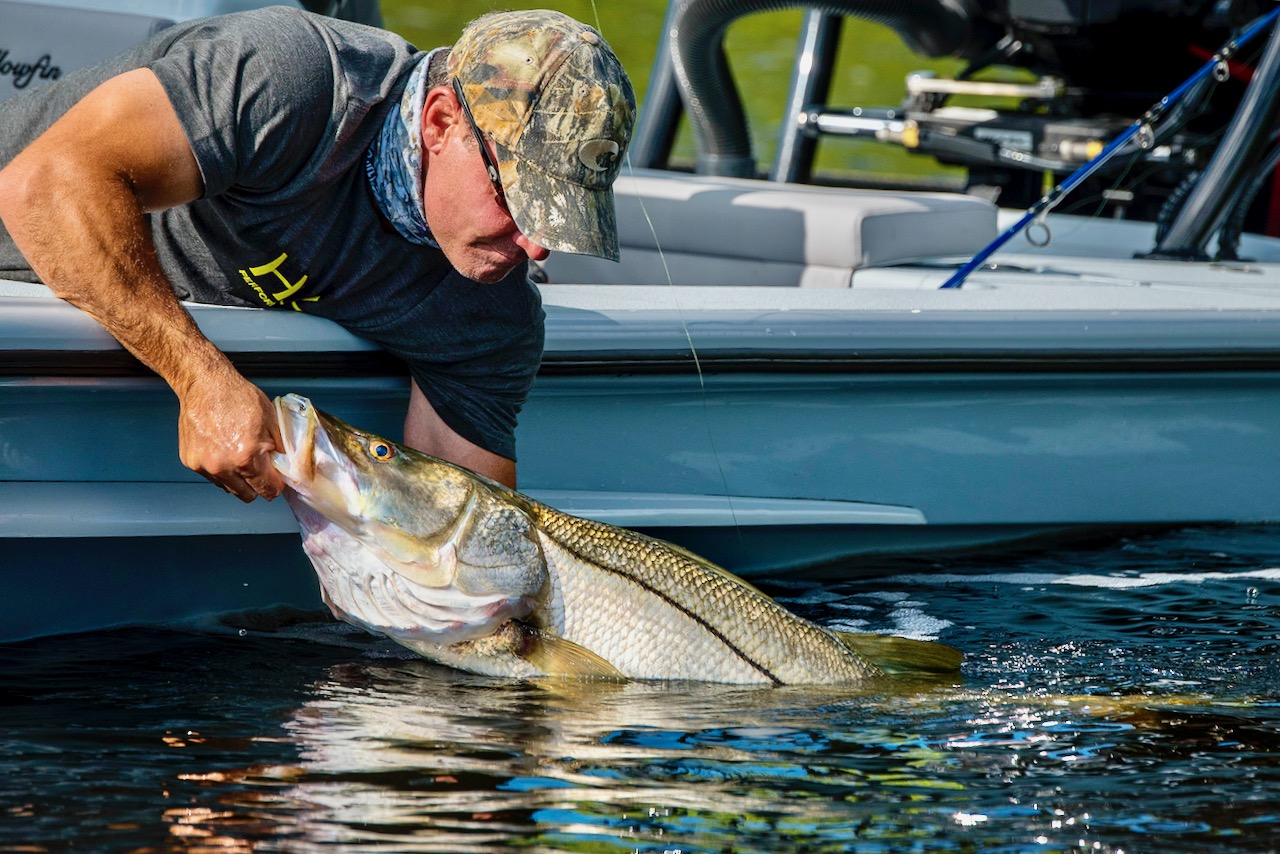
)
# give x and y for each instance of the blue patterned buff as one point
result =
(393, 163)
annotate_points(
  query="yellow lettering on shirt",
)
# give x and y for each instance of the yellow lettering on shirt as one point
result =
(282, 297)
(262, 295)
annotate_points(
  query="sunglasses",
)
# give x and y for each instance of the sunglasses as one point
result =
(491, 166)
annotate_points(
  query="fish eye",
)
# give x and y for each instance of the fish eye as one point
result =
(380, 450)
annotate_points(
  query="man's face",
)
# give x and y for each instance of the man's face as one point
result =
(467, 217)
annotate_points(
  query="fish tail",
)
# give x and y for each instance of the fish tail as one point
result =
(901, 656)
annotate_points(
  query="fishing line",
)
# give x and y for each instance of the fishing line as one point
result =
(688, 336)
(1140, 129)
(693, 351)
(1139, 180)
(1098, 202)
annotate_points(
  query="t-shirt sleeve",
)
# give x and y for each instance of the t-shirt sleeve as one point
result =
(254, 94)
(474, 350)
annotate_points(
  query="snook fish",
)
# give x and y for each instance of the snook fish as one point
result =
(471, 574)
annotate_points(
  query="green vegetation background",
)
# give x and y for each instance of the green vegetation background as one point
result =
(761, 47)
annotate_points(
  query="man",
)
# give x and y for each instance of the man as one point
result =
(284, 160)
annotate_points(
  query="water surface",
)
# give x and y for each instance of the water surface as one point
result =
(1119, 695)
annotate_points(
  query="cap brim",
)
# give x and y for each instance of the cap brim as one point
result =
(559, 215)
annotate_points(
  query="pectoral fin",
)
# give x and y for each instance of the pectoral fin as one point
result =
(558, 657)
(900, 656)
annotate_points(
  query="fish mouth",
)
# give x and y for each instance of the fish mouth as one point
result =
(315, 471)
(298, 422)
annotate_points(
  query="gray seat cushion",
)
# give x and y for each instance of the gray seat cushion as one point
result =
(745, 232)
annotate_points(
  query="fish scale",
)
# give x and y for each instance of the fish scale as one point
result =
(642, 635)
(741, 635)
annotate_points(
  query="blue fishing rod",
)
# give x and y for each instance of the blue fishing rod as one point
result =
(1141, 126)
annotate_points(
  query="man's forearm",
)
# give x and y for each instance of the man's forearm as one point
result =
(90, 245)
(75, 203)
(426, 431)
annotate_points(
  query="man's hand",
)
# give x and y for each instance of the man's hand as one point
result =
(227, 430)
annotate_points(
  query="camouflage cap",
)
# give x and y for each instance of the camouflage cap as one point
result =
(559, 106)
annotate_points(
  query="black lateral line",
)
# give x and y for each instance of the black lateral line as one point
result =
(768, 674)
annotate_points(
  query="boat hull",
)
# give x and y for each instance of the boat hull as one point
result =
(797, 441)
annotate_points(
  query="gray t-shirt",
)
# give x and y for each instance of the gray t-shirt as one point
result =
(279, 107)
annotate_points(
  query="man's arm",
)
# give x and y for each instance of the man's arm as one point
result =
(425, 431)
(74, 203)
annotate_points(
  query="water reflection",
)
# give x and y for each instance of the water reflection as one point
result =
(405, 756)
(554, 763)
(412, 757)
